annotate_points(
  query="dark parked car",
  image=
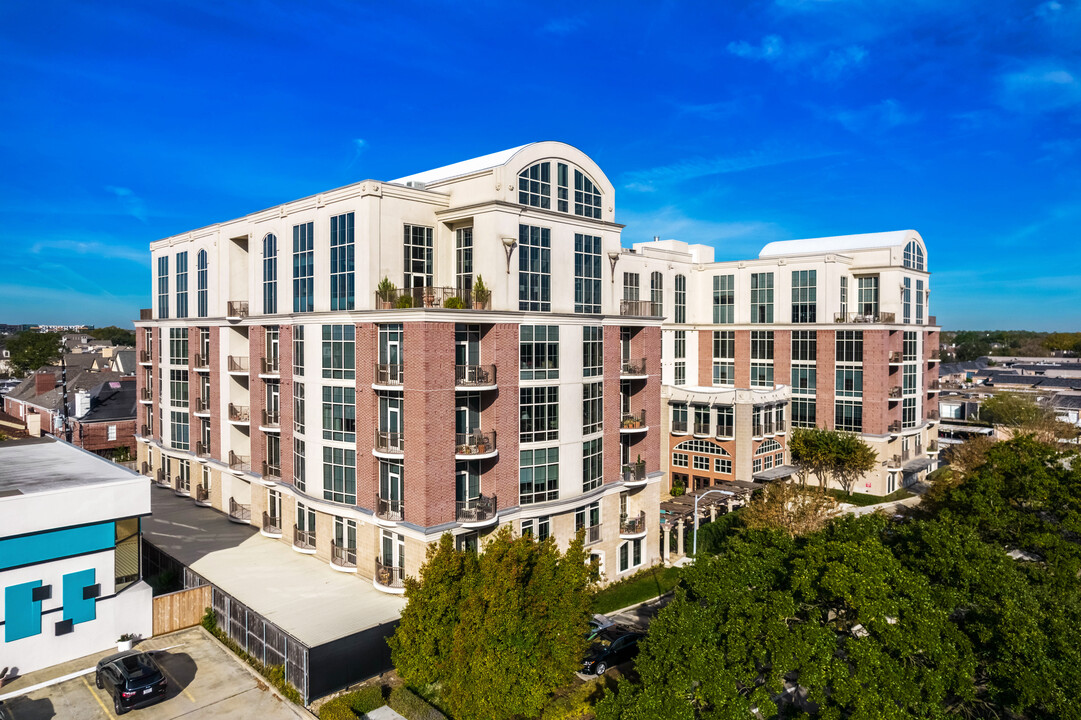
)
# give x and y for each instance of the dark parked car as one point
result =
(132, 678)
(4, 714)
(597, 624)
(610, 648)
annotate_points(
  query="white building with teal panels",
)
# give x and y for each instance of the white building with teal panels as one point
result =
(70, 580)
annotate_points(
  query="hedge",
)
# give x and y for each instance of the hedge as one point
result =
(412, 706)
(353, 704)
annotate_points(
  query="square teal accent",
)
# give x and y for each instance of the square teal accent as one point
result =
(76, 608)
(22, 614)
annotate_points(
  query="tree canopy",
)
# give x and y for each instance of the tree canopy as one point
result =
(118, 335)
(31, 350)
(498, 632)
(831, 455)
(1023, 414)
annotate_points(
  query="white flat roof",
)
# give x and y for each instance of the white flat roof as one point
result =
(465, 167)
(839, 243)
(35, 465)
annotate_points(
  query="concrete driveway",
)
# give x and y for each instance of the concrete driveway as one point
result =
(205, 680)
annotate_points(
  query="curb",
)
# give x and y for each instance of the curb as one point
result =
(639, 604)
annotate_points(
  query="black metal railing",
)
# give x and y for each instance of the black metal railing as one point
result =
(868, 317)
(639, 308)
(701, 428)
(271, 470)
(144, 356)
(303, 539)
(896, 357)
(272, 524)
(679, 427)
(632, 524)
(202, 493)
(477, 442)
(162, 480)
(239, 511)
(270, 365)
(895, 392)
(343, 556)
(202, 449)
(389, 442)
(239, 462)
(236, 308)
(239, 413)
(633, 421)
(388, 374)
(634, 472)
(895, 426)
(389, 576)
(238, 363)
(474, 375)
(386, 509)
(634, 367)
(271, 418)
(593, 534)
(202, 405)
(480, 509)
(201, 362)
(432, 297)
(146, 394)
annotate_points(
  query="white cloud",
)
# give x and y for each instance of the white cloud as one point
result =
(133, 204)
(882, 116)
(1040, 89)
(771, 48)
(841, 60)
(694, 168)
(733, 240)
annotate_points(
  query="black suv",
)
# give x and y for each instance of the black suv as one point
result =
(132, 678)
(610, 648)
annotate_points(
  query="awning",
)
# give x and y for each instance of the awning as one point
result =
(917, 465)
(778, 473)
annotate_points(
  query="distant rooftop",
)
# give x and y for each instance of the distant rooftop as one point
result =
(38, 465)
(839, 243)
(465, 167)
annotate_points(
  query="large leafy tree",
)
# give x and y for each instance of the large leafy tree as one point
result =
(1023, 415)
(793, 509)
(830, 455)
(31, 350)
(498, 631)
(118, 335)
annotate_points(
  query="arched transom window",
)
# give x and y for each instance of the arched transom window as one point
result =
(701, 446)
(767, 447)
(913, 256)
(535, 185)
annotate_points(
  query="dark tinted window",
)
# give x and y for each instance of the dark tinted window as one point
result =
(139, 669)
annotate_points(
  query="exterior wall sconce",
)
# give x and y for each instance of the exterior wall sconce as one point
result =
(613, 258)
(508, 246)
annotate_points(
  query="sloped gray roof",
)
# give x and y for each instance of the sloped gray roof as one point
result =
(111, 401)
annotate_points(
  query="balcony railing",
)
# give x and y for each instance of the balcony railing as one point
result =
(239, 413)
(639, 308)
(238, 364)
(389, 442)
(239, 462)
(593, 534)
(269, 366)
(895, 426)
(474, 375)
(895, 392)
(161, 479)
(201, 362)
(146, 394)
(389, 576)
(635, 472)
(896, 357)
(392, 510)
(202, 449)
(932, 447)
(431, 297)
(144, 430)
(932, 414)
(386, 374)
(934, 385)
(236, 309)
(477, 510)
(632, 524)
(932, 320)
(271, 470)
(679, 427)
(475, 443)
(144, 356)
(145, 468)
(855, 317)
(271, 418)
(239, 511)
(894, 462)
(202, 405)
(634, 367)
(343, 556)
(202, 493)
(146, 313)
(701, 428)
(632, 421)
(272, 524)
(303, 539)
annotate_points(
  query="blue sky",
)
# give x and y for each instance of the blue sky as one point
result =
(723, 123)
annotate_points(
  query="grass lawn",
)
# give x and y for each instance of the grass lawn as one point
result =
(649, 583)
(862, 500)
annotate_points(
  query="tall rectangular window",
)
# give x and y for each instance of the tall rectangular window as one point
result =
(762, 358)
(178, 388)
(724, 299)
(848, 416)
(303, 267)
(762, 297)
(803, 412)
(919, 302)
(592, 464)
(844, 297)
(562, 190)
(656, 294)
(804, 296)
(867, 296)
(270, 274)
(463, 261)
(201, 272)
(724, 357)
(299, 467)
(538, 408)
(178, 346)
(592, 351)
(726, 421)
(906, 300)
(538, 475)
(342, 277)
(539, 352)
(587, 273)
(681, 299)
(339, 414)
(417, 241)
(163, 286)
(587, 198)
(592, 407)
(849, 346)
(179, 429)
(538, 528)
(681, 357)
(340, 475)
(849, 382)
(804, 346)
(299, 407)
(535, 185)
(298, 350)
(534, 268)
(339, 352)
(181, 284)
(631, 286)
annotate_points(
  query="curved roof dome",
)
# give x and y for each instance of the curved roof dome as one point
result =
(840, 243)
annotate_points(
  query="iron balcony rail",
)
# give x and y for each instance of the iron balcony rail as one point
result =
(239, 413)
(236, 308)
(146, 313)
(270, 365)
(386, 509)
(389, 576)
(239, 511)
(932, 320)
(633, 420)
(868, 317)
(144, 356)
(180, 485)
(474, 375)
(145, 468)
(701, 428)
(201, 361)
(202, 405)
(388, 374)
(895, 392)
(632, 524)
(679, 427)
(896, 356)
(238, 363)
(932, 414)
(239, 462)
(934, 385)
(271, 418)
(144, 430)
(304, 539)
(202, 449)
(202, 493)
(639, 308)
(932, 446)
(634, 367)
(432, 297)
(593, 534)
(895, 426)
(162, 480)
(146, 394)
(635, 472)
(478, 509)
(343, 556)
(475, 443)
(389, 442)
(272, 524)
(894, 462)
(271, 471)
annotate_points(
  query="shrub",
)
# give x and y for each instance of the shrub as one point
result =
(454, 303)
(579, 702)
(336, 710)
(405, 301)
(354, 704)
(411, 706)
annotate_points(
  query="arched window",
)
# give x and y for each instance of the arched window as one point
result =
(681, 299)
(656, 293)
(270, 274)
(535, 189)
(201, 283)
(587, 198)
(701, 446)
(913, 256)
(767, 447)
(535, 185)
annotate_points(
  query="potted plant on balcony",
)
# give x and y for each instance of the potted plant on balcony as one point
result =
(385, 292)
(405, 301)
(454, 303)
(481, 294)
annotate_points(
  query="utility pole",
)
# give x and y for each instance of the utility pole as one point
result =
(64, 396)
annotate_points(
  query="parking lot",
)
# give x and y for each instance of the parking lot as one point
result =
(205, 680)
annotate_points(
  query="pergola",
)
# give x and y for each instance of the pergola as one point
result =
(678, 513)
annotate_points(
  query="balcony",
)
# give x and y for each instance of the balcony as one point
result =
(476, 445)
(202, 495)
(146, 395)
(895, 392)
(896, 357)
(633, 369)
(679, 427)
(932, 448)
(934, 386)
(161, 479)
(146, 313)
(932, 414)
(390, 511)
(202, 406)
(239, 414)
(934, 359)
(272, 525)
(343, 558)
(270, 366)
(895, 426)
(181, 488)
(145, 469)
(239, 513)
(389, 578)
(239, 463)
(304, 541)
(882, 317)
(271, 421)
(633, 422)
(388, 376)
(894, 463)
(201, 363)
(932, 320)
(144, 430)
(701, 429)
(634, 473)
(430, 298)
(592, 534)
(236, 309)
(389, 443)
(144, 357)
(477, 512)
(639, 308)
(632, 526)
(238, 365)
(202, 449)
(271, 472)
(474, 377)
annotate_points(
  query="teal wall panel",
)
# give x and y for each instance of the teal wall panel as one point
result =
(46, 546)
(76, 608)
(22, 616)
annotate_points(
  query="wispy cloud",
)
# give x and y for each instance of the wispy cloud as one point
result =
(884, 115)
(772, 47)
(564, 26)
(841, 60)
(819, 59)
(93, 248)
(359, 146)
(734, 239)
(1040, 88)
(693, 168)
(133, 204)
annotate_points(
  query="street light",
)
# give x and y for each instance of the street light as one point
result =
(696, 499)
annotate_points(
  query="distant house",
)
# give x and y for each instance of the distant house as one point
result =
(38, 399)
(1067, 408)
(103, 418)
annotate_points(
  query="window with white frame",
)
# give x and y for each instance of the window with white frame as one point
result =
(867, 296)
(201, 272)
(679, 418)
(299, 407)
(539, 352)
(920, 299)
(913, 257)
(179, 429)
(722, 466)
(656, 293)
(849, 382)
(761, 358)
(592, 351)
(539, 528)
(724, 357)
(587, 197)
(538, 475)
(680, 459)
(539, 413)
(342, 260)
(339, 352)
(804, 296)
(587, 273)
(535, 185)
(630, 554)
(270, 274)
(298, 350)
(726, 421)
(849, 346)
(463, 261)
(419, 263)
(844, 296)
(163, 286)
(724, 299)
(340, 475)
(681, 299)
(681, 355)
(339, 414)
(182, 284)
(178, 346)
(305, 518)
(762, 297)
(111, 432)
(592, 464)
(304, 267)
(587, 516)
(848, 415)
(631, 288)
(178, 388)
(592, 407)
(906, 300)
(699, 462)
(534, 268)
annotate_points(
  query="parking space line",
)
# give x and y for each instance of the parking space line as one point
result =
(104, 709)
(173, 679)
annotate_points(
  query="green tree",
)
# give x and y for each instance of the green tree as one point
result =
(830, 455)
(1023, 415)
(31, 350)
(118, 335)
(792, 509)
(852, 458)
(498, 631)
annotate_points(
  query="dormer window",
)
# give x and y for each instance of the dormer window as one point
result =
(913, 256)
(535, 189)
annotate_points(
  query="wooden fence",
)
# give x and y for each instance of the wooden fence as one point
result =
(180, 609)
